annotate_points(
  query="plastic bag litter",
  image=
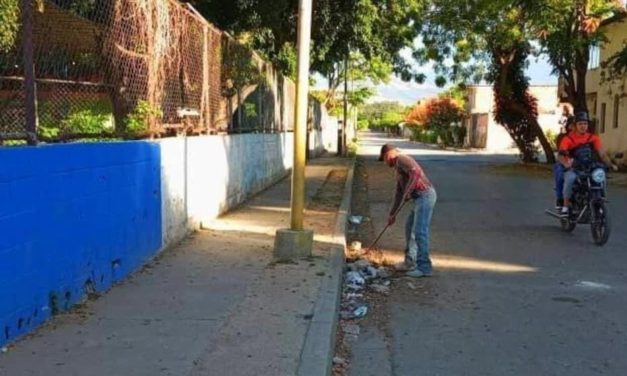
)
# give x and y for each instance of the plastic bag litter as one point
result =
(372, 272)
(355, 219)
(339, 361)
(360, 311)
(355, 278)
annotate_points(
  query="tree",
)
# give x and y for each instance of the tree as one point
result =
(616, 64)
(361, 70)
(376, 30)
(9, 24)
(438, 112)
(488, 40)
(567, 29)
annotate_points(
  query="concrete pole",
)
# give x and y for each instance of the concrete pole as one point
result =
(300, 129)
(296, 241)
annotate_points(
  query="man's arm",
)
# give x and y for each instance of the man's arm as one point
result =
(603, 154)
(605, 157)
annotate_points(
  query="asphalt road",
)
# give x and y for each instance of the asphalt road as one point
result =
(512, 294)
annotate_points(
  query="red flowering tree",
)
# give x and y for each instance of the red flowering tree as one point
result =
(438, 116)
(435, 113)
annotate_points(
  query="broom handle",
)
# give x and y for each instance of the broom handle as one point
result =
(386, 226)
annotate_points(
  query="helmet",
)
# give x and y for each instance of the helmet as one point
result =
(582, 116)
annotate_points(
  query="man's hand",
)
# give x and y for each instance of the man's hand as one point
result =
(614, 167)
(391, 220)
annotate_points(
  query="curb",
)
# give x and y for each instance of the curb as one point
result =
(317, 355)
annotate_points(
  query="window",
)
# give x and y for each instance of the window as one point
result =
(602, 118)
(616, 109)
(595, 57)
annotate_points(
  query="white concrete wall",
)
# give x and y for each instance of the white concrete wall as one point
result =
(325, 139)
(204, 176)
(499, 139)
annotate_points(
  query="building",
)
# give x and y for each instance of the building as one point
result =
(485, 133)
(607, 99)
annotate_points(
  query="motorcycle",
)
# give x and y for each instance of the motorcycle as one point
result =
(589, 204)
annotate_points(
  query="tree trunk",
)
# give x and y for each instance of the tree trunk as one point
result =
(582, 55)
(580, 93)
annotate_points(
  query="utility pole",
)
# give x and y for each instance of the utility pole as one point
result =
(296, 241)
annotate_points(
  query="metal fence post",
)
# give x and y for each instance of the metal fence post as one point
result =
(30, 88)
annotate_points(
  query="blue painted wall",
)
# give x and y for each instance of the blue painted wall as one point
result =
(74, 219)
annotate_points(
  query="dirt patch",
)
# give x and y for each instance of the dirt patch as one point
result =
(330, 194)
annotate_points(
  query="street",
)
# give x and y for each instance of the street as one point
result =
(511, 293)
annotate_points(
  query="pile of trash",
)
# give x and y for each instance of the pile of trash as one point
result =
(359, 277)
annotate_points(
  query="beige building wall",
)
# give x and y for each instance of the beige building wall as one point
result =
(610, 96)
(481, 101)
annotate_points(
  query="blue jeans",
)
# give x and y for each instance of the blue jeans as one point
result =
(417, 229)
(570, 177)
(558, 172)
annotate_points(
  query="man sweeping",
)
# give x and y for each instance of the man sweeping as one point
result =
(412, 183)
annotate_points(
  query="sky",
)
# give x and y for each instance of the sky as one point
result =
(539, 72)
(408, 92)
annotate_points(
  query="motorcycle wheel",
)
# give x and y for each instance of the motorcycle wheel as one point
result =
(568, 225)
(600, 224)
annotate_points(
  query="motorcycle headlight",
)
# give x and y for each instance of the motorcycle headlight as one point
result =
(598, 176)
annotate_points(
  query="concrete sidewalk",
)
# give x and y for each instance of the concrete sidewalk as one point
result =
(214, 305)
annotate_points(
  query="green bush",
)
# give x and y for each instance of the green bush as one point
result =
(426, 136)
(138, 120)
(363, 124)
(87, 117)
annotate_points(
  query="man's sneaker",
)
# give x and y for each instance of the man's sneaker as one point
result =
(417, 273)
(559, 204)
(564, 213)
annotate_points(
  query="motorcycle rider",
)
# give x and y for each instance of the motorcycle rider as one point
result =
(576, 152)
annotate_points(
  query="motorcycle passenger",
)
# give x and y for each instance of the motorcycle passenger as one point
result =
(558, 168)
(576, 153)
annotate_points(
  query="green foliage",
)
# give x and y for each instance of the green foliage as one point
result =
(552, 137)
(363, 124)
(566, 30)
(250, 109)
(239, 69)
(88, 117)
(377, 109)
(9, 24)
(377, 30)
(138, 120)
(427, 136)
(457, 93)
(616, 65)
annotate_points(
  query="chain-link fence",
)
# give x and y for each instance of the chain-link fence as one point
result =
(132, 68)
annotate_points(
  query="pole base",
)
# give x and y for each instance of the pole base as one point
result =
(290, 244)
